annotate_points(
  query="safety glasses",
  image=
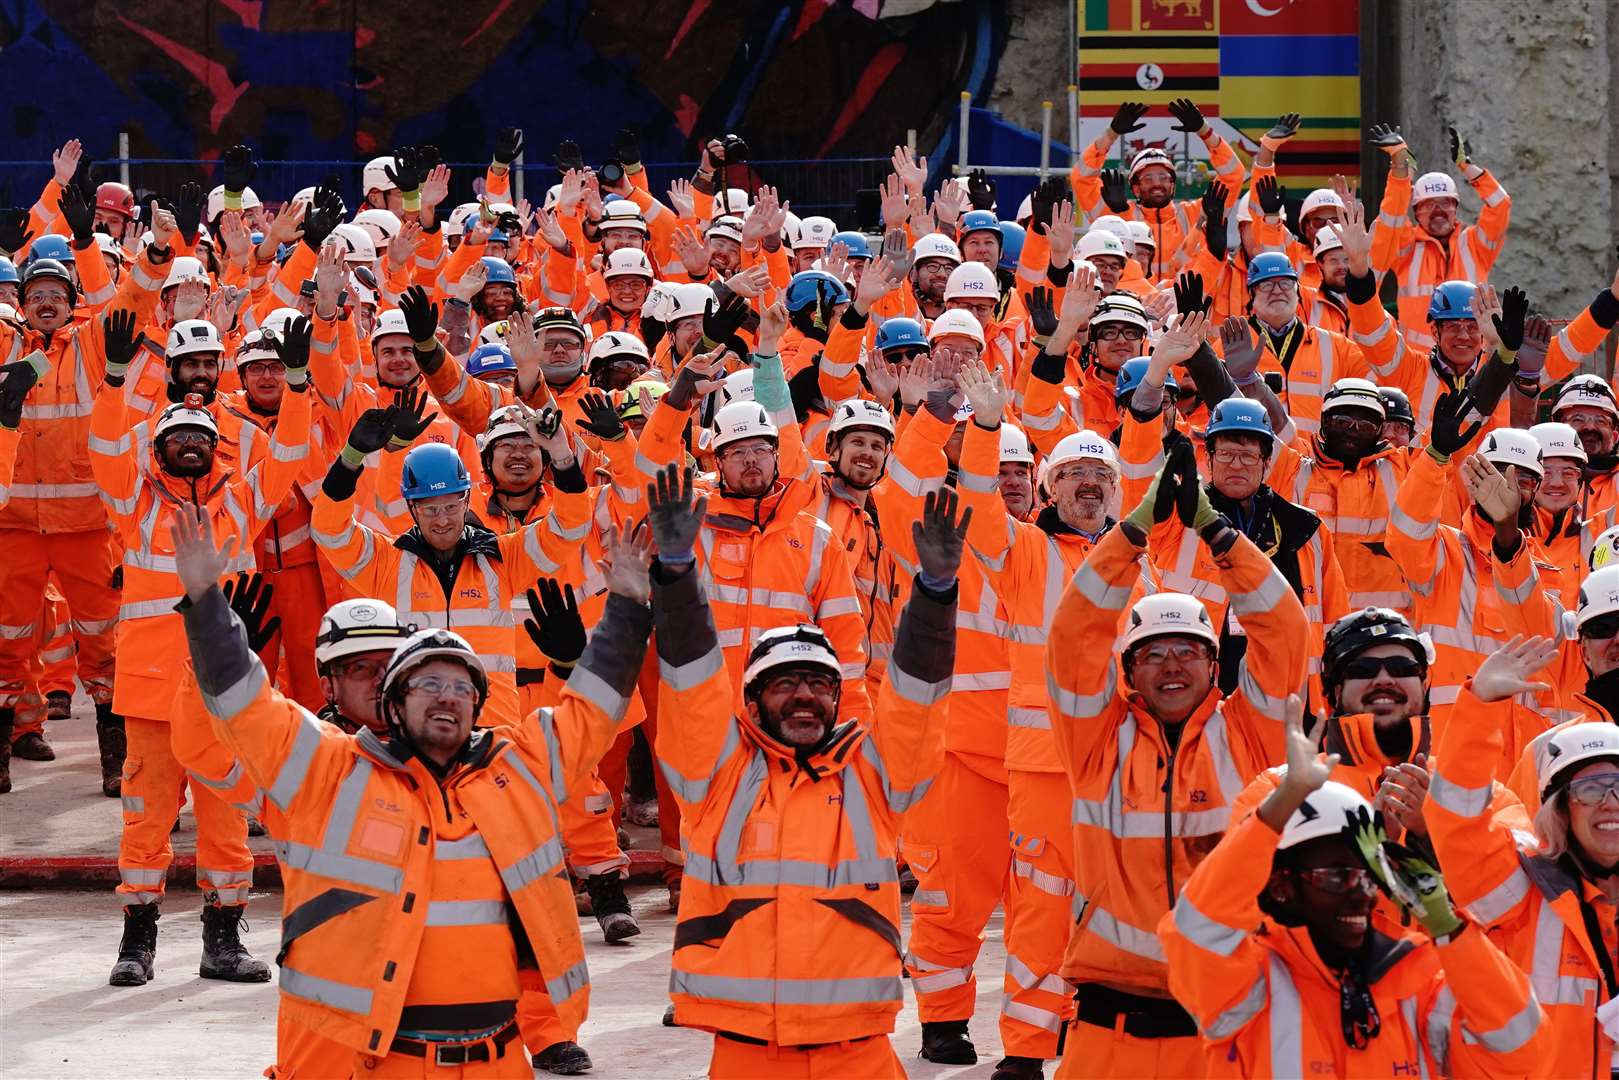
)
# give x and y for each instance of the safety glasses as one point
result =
(1339, 879)
(1367, 667)
(1592, 790)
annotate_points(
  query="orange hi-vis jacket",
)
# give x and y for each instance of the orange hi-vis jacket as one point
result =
(876, 576)
(365, 863)
(53, 489)
(1355, 505)
(1146, 810)
(9, 438)
(1451, 572)
(141, 500)
(1530, 905)
(285, 541)
(1320, 359)
(789, 926)
(1268, 1006)
(1523, 774)
(1420, 261)
(1170, 224)
(491, 575)
(976, 727)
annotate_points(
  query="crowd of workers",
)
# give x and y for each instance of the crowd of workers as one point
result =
(1123, 563)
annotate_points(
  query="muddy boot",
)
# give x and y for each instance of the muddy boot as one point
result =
(31, 746)
(223, 956)
(7, 718)
(611, 906)
(563, 1059)
(58, 705)
(138, 948)
(114, 743)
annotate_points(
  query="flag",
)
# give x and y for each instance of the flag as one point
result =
(1152, 51)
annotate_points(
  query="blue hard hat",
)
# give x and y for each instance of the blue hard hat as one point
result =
(433, 469)
(1238, 415)
(1270, 264)
(489, 359)
(1450, 300)
(808, 286)
(980, 221)
(859, 247)
(1131, 374)
(901, 333)
(498, 236)
(51, 246)
(500, 271)
(1011, 244)
(8, 272)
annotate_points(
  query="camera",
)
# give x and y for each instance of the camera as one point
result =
(612, 173)
(736, 150)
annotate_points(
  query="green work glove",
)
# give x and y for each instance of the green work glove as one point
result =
(1422, 891)
(1158, 504)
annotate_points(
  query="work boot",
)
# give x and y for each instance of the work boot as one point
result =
(674, 893)
(31, 746)
(1018, 1068)
(255, 827)
(563, 1059)
(946, 1042)
(611, 906)
(7, 718)
(643, 813)
(58, 705)
(223, 956)
(138, 948)
(114, 744)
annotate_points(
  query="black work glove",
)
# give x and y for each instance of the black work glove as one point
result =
(1047, 195)
(324, 214)
(188, 210)
(1271, 194)
(601, 418)
(80, 214)
(1190, 117)
(1116, 190)
(84, 177)
(980, 190)
(121, 338)
(1386, 136)
(569, 156)
(941, 536)
(1189, 293)
(14, 230)
(1042, 313)
(675, 513)
(292, 346)
(627, 146)
(409, 422)
(250, 597)
(508, 144)
(1448, 434)
(1509, 324)
(372, 430)
(1286, 126)
(237, 168)
(16, 380)
(406, 173)
(1127, 118)
(721, 321)
(421, 317)
(556, 629)
(1214, 197)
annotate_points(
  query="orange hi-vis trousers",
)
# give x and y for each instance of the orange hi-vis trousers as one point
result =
(83, 563)
(865, 1059)
(1037, 999)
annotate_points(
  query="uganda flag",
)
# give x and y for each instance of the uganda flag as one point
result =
(1152, 51)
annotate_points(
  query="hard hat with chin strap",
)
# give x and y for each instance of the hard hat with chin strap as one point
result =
(190, 413)
(375, 175)
(1168, 614)
(434, 643)
(1099, 241)
(803, 646)
(1131, 374)
(1588, 391)
(1514, 446)
(1083, 446)
(1571, 749)
(627, 262)
(433, 469)
(1368, 628)
(391, 321)
(809, 287)
(1452, 301)
(1239, 416)
(1147, 159)
(861, 413)
(900, 333)
(1326, 812)
(617, 343)
(1270, 265)
(193, 336)
(357, 626)
(1396, 406)
(742, 420)
(1351, 392)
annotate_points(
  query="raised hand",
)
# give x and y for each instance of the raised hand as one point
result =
(985, 391)
(80, 214)
(980, 190)
(556, 628)
(1042, 315)
(188, 210)
(421, 316)
(1401, 792)
(1286, 126)
(1214, 229)
(1460, 152)
(250, 596)
(1509, 322)
(1189, 295)
(1508, 670)
(1127, 118)
(325, 213)
(1357, 241)
(409, 423)
(197, 562)
(1537, 339)
(627, 562)
(1116, 190)
(1047, 194)
(372, 431)
(237, 169)
(1079, 302)
(627, 146)
(16, 380)
(508, 144)
(122, 338)
(65, 162)
(949, 203)
(14, 231)
(753, 282)
(1237, 347)
(1189, 116)
(292, 346)
(1060, 234)
(1388, 139)
(911, 172)
(1496, 495)
(941, 535)
(1306, 769)
(1448, 434)
(1185, 335)
(601, 418)
(675, 513)
(1271, 195)
(233, 234)
(568, 156)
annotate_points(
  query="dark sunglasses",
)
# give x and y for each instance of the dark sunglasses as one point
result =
(1367, 667)
(1601, 628)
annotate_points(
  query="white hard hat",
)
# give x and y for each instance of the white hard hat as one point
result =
(1319, 198)
(1588, 391)
(494, 333)
(956, 323)
(1025, 209)
(257, 346)
(861, 413)
(1169, 614)
(1326, 239)
(1604, 553)
(738, 387)
(391, 321)
(790, 226)
(791, 646)
(1245, 207)
(1513, 446)
(434, 643)
(731, 201)
(742, 420)
(358, 626)
(627, 262)
(728, 227)
(362, 293)
(972, 281)
(1599, 595)
(553, 195)
(304, 195)
(193, 336)
(382, 225)
(814, 231)
(1083, 445)
(1325, 812)
(1353, 392)
(1571, 749)
(622, 214)
(690, 298)
(362, 248)
(1015, 445)
(216, 201)
(1120, 307)
(1141, 234)
(1433, 185)
(375, 176)
(504, 421)
(456, 223)
(617, 343)
(109, 245)
(189, 413)
(1558, 441)
(660, 301)
(1097, 241)
(187, 270)
(1119, 227)
(935, 246)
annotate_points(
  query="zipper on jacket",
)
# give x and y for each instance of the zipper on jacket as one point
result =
(1169, 840)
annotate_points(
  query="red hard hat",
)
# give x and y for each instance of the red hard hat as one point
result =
(115, 197)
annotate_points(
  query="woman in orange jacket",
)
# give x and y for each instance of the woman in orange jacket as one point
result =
(1271, 946)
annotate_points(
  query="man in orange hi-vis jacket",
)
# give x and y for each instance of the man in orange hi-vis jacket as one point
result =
(16, 380)
(788, 943)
